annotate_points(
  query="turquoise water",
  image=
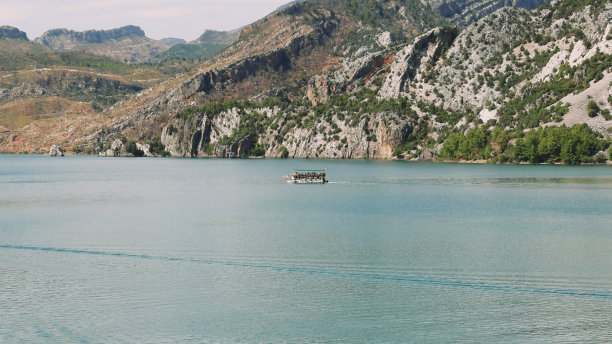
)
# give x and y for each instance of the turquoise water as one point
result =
(224, 251)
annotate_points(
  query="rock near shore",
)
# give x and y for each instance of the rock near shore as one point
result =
(55, 150)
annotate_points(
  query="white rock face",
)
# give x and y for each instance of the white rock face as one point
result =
(553, 64)
(577, 113)
(117, 145)
(384, 39)
(487, 115)
(56, 151)
(145, 148)
(407, 61)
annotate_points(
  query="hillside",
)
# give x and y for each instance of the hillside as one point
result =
(463, 12)
(388, 79)
(469, 94)
(217, 37)
(126, 44)
(170, 41)
(207, 45)
(45, 94)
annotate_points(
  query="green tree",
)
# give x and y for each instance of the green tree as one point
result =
(592, 108)
(284, 152)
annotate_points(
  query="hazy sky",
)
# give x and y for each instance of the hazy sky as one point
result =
(185, 19)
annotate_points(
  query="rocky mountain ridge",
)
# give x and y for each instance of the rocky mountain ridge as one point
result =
(9, 32)
(52, 37)
(128, 43)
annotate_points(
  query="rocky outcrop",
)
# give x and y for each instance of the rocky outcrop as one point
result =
(375, 136)
(394, 67)
(120, 148)
(54, 38)
(192, 136)
(425, 49)
(55, 150)
(9, 32)
(126, 44)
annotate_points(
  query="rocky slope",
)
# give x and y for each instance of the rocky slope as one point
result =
(274, 56)
(46, 95)
(444, 80)
(127, 44)
(467, 11)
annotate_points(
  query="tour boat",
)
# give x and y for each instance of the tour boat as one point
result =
(306, 177)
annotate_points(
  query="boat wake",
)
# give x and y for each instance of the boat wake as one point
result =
(582, 183)
(349, 273)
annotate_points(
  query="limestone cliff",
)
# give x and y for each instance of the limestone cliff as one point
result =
(226, 135)
(9, 32)
(127, 43)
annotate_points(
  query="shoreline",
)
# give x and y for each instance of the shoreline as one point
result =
(469, 162)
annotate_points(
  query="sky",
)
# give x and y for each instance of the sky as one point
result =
(185, 19)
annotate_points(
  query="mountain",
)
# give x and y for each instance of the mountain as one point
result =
(9, 32)
(207, 45)
(278, 55)
(172, 41)
(389, 79)
(217, 37)
(47, 96)
(127, 44)
(289, 4)
(189, 51)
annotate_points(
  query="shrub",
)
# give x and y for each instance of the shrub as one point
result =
(133, 149)
(592, 109)
(600, 159)
(157, 147)
(284, 152)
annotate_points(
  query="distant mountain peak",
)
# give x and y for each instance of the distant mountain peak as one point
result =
(127, 43)
(289, 4)
(170, 41)
(93, 36)
(217, 37)
(11, 32)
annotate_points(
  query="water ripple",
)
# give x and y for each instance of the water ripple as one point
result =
(354, 274)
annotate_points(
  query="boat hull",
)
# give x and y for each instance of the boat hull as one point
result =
(292, 180)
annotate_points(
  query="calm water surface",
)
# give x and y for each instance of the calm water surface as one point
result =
(207, 251)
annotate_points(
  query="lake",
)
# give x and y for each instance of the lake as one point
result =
(116, 250)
